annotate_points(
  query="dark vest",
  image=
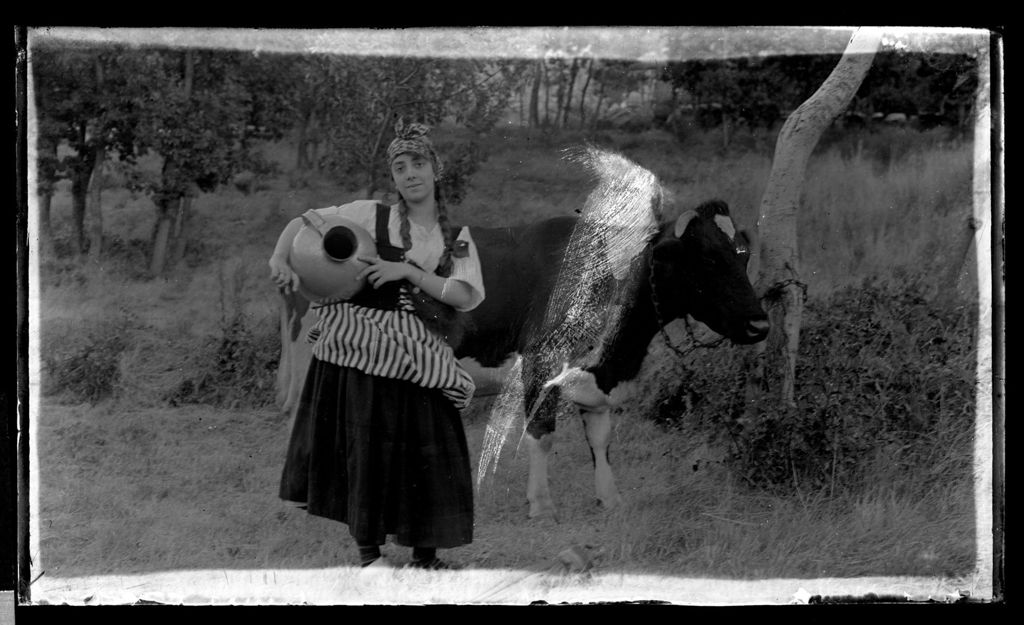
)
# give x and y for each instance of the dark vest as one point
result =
(438, 317)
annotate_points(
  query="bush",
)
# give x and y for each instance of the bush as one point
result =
(80, 360)
(882, 375)
(236, 371)
(130, 256)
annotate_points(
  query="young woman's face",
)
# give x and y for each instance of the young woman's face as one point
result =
(413, 176)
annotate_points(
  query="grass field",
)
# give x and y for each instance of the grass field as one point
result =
(155, 458)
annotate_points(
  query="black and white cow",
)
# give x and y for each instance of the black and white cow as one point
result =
(699, 265)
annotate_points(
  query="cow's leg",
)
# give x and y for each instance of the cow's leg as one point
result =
(581, 388)
(538, 491)
(540, 433)
(598, 426)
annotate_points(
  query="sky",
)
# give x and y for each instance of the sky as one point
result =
(653, 44)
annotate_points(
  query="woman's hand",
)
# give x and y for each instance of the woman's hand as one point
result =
(283, 275)
(381, 271)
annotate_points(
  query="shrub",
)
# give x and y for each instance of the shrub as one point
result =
(236, 370)
(882, 374)
(130, 256)
(80, 359)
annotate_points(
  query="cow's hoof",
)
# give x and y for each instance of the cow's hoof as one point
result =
(543, 511)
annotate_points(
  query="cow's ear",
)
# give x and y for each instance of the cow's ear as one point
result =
(683, 221)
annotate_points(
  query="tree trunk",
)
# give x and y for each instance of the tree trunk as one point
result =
(301, 143)
(46, 185)
(169, 209)
(163, 234)
(597, 107)
(559, 95)
(573, 71)
(314, 139)
(182, 219)
(94, 206)
(79, 198)
(778, 282)
(583, 93)
(535, 96)
(547, 95)
(522, 106)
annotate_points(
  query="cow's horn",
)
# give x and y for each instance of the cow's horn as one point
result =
(683, 221)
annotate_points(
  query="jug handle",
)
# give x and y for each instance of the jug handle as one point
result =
(314, 221)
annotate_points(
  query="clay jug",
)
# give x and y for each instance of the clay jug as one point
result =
(325, 255)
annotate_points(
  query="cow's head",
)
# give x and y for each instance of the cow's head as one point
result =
(700, 269)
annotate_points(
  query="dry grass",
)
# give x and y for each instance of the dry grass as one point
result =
(858, 222)
(196, 491)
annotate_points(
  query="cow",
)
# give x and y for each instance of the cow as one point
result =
(692, 267)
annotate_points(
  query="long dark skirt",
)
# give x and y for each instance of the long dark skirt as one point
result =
(384, 456)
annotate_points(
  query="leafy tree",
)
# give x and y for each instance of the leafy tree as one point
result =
(913, 82)
(195, 116)
(85, 97)
(272, 87)
(758, 91)
(201, 111)
(750, 91)
(486, 89)
(291, 92)
(372, 93)
(571, 78)
(616, 78)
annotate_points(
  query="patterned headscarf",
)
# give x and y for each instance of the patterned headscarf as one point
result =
(412, 138)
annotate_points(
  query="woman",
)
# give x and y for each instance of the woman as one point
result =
(378, 443)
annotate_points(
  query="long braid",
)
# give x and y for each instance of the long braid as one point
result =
(404, 227)
(444, 266)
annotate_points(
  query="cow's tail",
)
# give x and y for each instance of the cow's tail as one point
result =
(293, 308)
(284, 370)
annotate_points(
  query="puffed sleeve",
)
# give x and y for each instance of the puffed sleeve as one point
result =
(363, 212)
(466, 268)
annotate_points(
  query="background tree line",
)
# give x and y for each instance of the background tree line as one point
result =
(204, 113)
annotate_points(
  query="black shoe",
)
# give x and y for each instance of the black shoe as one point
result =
(378, 567)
